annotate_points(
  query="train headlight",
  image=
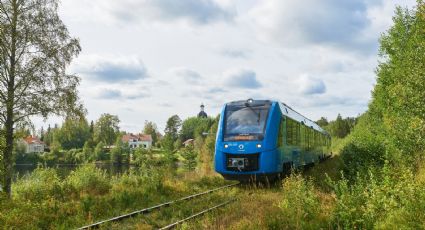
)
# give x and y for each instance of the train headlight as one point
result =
(226, 146)
(258, 145)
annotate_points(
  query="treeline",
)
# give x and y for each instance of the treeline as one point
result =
(77, 141)
(190, 141)
(198, 133)
(382, 160)
(340, 127)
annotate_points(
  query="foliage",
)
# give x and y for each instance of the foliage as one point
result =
(121, 152)
(300, 206)
(88, 151)
(89, 180)
(171, 133)
(207, 148)
(365, 149)
(150, 128)
(40, 185)
(48, 136)
(168, 143)
(380, 188)
(20, 151)
(99, 151)
(35, 49)
(172, 127)
(73, 133)
(42, 200)
(193, 127)
(398, 98)
(340, 127)
(390, 199)
(322, 122)
(106, 129)
(189, 155)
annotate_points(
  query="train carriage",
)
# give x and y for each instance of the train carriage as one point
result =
(258, 139)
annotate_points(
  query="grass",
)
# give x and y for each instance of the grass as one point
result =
(43, 201)
(307, 193)
(318, 197)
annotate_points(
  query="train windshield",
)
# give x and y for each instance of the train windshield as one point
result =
(245, 122)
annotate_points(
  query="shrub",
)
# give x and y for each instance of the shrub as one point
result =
(189, 155)
(389, 199)
(41, 184)
(90, 180)
(366, 149)
(300, 206)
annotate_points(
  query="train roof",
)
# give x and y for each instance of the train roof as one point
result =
(285, 109)
(291, 113)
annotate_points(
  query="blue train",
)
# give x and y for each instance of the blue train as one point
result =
(260, 139)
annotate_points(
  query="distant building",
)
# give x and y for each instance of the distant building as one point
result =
(188, 142)
(33, 145)
(140, 140)
(202, 114)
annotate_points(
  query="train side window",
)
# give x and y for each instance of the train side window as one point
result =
(298, 135)
(290, 132)
(280, 134)
(310, 138)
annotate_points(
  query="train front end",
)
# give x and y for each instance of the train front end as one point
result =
(246, 141)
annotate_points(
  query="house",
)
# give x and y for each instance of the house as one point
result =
(188, 142)
(140, 140)
(33, 145)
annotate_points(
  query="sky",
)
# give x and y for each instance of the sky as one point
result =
(150, 59)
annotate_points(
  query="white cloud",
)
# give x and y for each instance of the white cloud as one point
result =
(327, 22)
(188, 75)
(106, 93)
(139, 11)
(236, 53)
(309, 85)
(110, 69)
(241, 78)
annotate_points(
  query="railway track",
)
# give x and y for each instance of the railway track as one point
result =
(167, 204)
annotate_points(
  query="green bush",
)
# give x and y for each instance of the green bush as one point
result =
(89, 180)
(358, 157)
(190, 157)
(365, 149)
(41, 184)
(390, 199)
(300, 206)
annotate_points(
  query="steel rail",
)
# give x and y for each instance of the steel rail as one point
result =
(150, 209)
(170, 226)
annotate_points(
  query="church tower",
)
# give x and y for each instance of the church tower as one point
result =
(202, 114)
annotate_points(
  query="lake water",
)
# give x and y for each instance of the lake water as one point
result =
(65, 170)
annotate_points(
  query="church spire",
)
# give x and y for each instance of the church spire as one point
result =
(202, 113)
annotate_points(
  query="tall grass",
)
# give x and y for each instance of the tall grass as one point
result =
(300, 205)
(42, 200)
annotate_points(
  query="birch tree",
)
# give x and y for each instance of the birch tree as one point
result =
(35, 49)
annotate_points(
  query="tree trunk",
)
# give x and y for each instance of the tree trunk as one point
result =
(8, 151)
(7, 154)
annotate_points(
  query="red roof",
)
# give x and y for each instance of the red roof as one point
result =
(140, 137)
(33, 140)
(145, 137)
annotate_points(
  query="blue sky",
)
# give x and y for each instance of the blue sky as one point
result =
(150, 59)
